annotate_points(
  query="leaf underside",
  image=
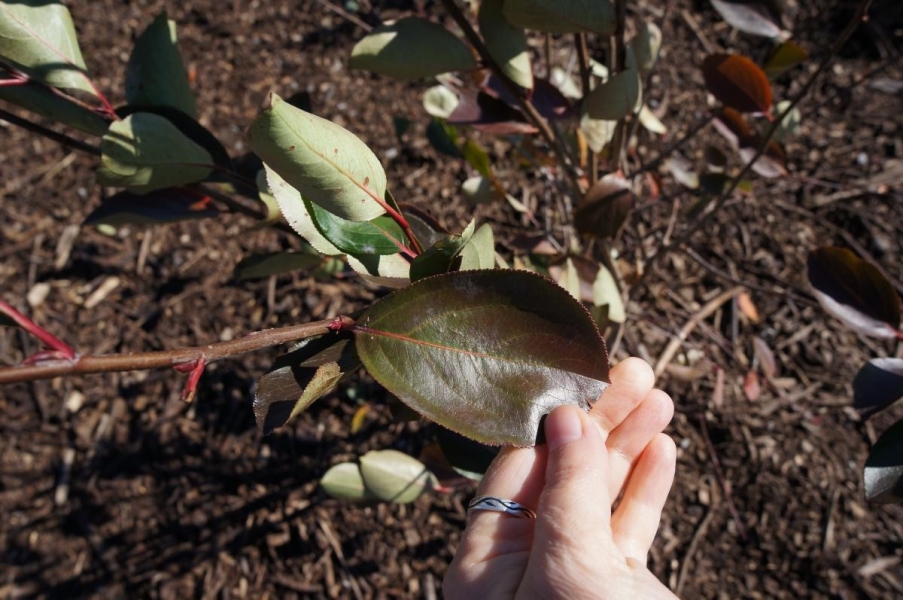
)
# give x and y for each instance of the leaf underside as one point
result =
(485, 353)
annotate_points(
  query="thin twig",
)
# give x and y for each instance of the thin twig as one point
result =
(344, 13)
(691, 550)
(704, 313)
(728, 497)
(525, 105)
(60, 138)
(721, 200)
(142, 361)
(674, 146)
(586, 88)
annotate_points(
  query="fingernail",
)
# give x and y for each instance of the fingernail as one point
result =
(563, 426)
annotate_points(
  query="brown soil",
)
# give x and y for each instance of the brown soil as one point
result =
(169, 500)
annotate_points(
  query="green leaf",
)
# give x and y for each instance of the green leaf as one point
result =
(562, 16)
(646, 44)
(345, 482)
(877, 385)
(411, 48)
(440, 102)
(441, 257)
(477, 157)
(380, 236)
(327, 164)
(145, 152)
(614, 99)
(854, 291)
(393, 476)
(479, 190)
(258, 266)
(40, 100)
(168, 205)
(155, 74)
(39, 38)
(443, 138)
(784, 57)
(506, 44)
(605, 293)
(479, 252)
(485, 353)
(298, 214)
(267, 198)
(883, 474)
(300, 377)
(598, 132)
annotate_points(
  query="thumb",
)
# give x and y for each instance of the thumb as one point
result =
(575, 499)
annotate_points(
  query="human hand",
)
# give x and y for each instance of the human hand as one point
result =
(577, 547)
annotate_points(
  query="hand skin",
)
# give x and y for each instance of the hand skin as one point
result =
(576, 547)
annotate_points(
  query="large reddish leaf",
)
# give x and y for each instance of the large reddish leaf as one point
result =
(883, 474)
(737, 82)
(485, 353)
(878, 384)
(854, 291)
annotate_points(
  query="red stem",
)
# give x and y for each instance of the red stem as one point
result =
(60, 348)
(142, 361)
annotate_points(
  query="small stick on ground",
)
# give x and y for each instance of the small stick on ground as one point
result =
(674, 345)
(741, 528)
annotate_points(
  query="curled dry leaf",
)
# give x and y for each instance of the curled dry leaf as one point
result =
(751, 386)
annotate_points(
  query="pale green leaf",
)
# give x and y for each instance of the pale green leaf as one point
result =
(38, 37)
(411, 48)
(41, 100)
(506, 44)
(393, 476)
(479, 190)
(479, 252)
(344, 481)
(439, 101)
(598, 132)
(145, 152)
(155, 74)
(562, 16)
(646, 45)
(327, 164)
(267, 198)
(605, 293)
(615, 98)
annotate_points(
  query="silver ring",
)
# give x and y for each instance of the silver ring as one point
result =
(509, 507)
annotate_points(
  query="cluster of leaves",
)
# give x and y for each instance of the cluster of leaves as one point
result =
(856, 292)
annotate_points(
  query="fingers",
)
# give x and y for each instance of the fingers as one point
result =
(631, 380)
(636, 520)
(630, 438)
(493, 552)
(575, 499)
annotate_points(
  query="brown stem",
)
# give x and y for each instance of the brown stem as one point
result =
(861, 13)
(617, 59)
(583, 61)
(142, 361)
(525, 105)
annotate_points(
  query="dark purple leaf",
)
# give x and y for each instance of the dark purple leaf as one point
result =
(546, 97)
(878, 384)
(489, 114)
(160, 206)
(883, 474)
(737, 82)
(605, 208)
(854, 291)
